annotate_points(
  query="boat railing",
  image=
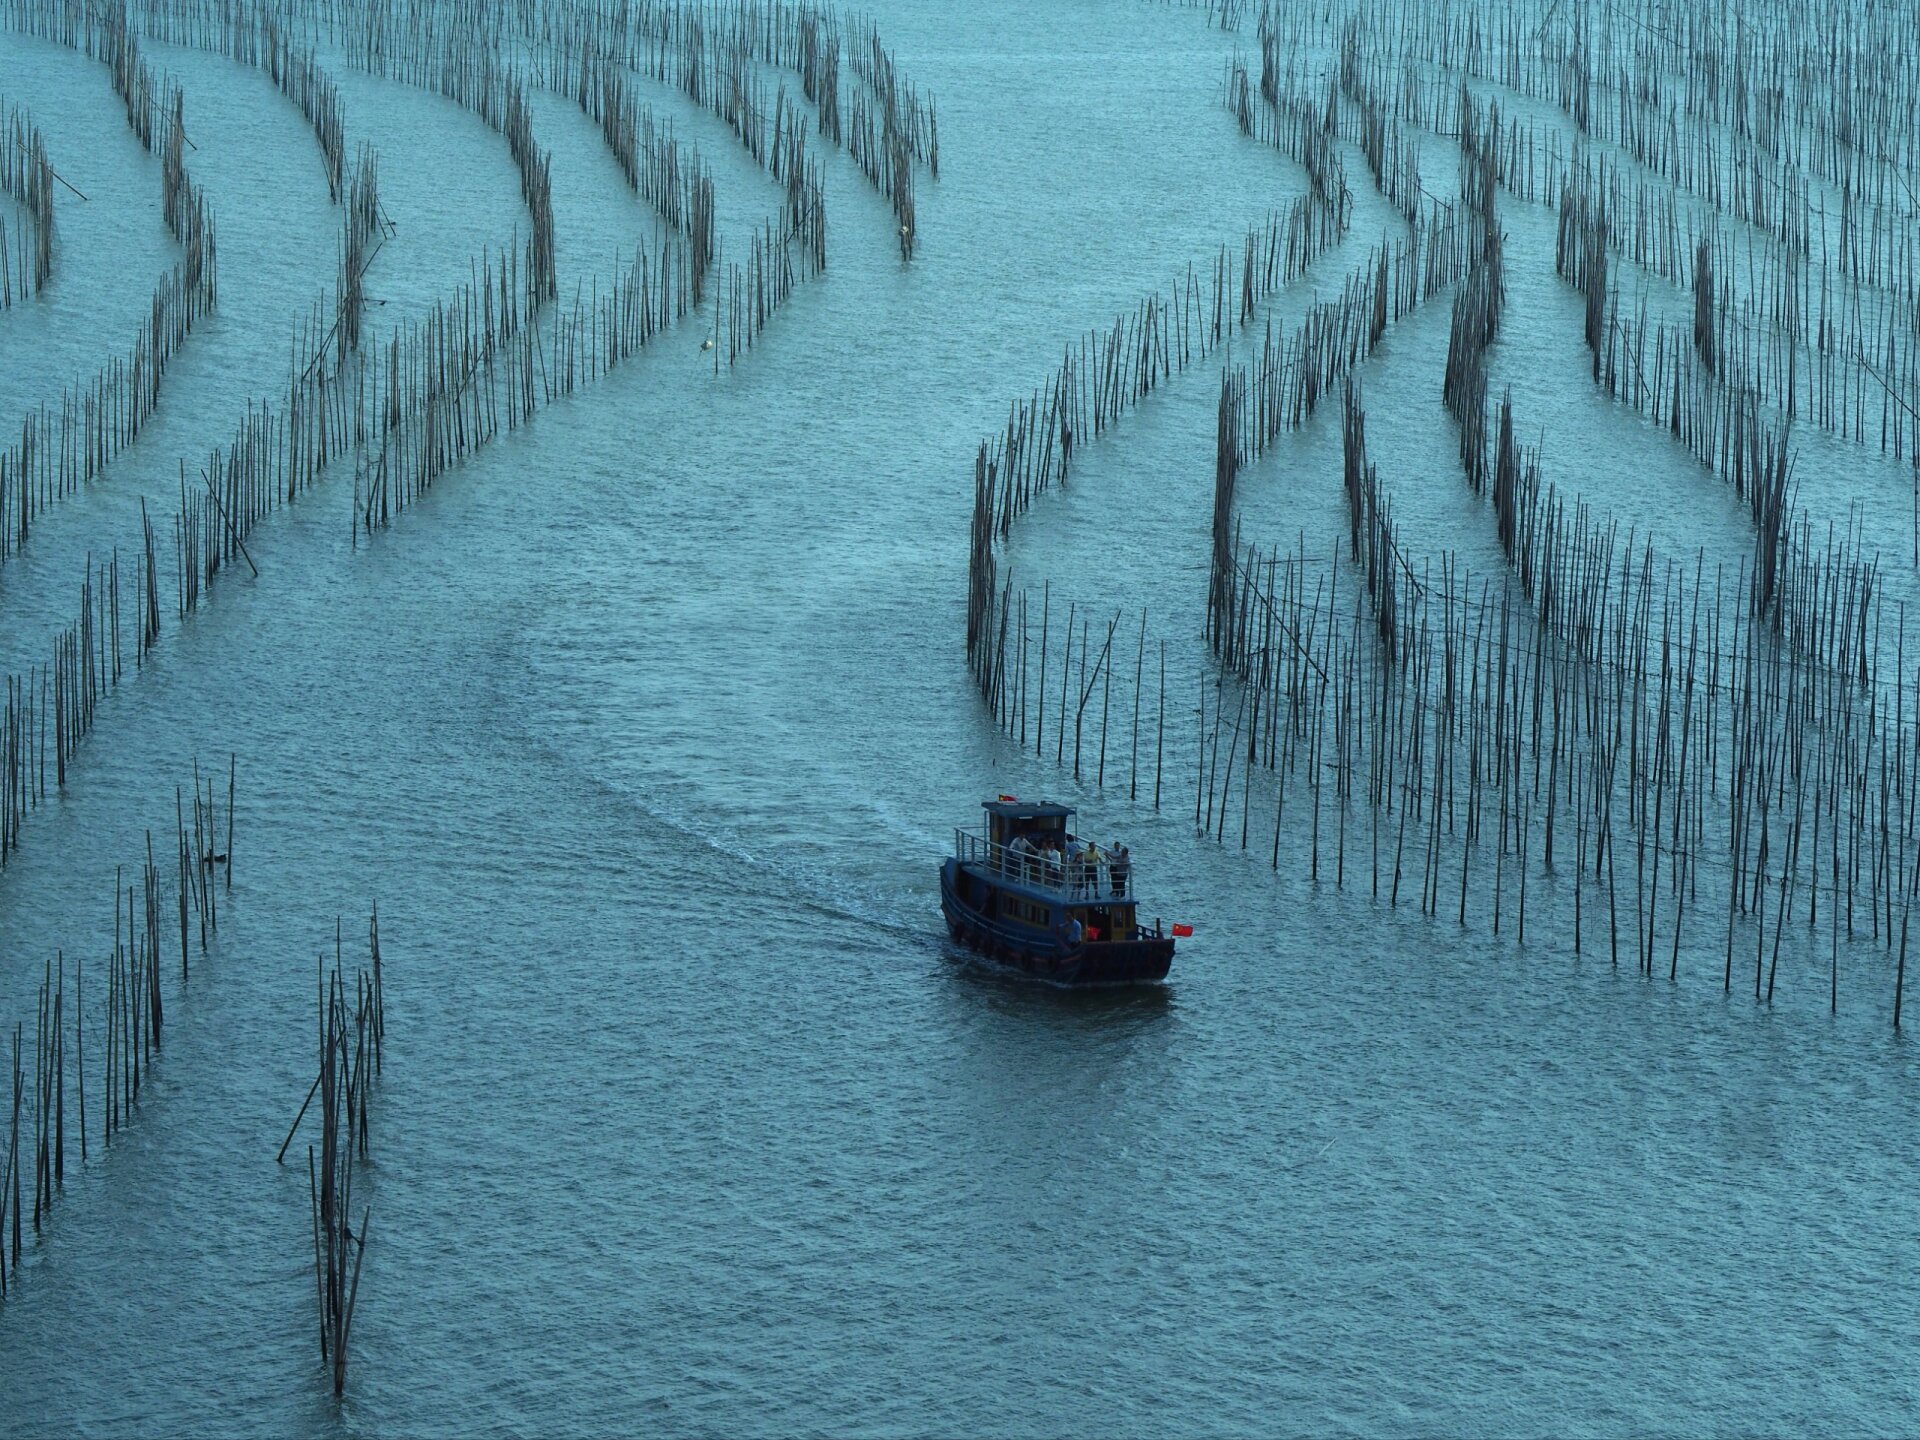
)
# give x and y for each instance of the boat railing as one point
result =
(1072, 879)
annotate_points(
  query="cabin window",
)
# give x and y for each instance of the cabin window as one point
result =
(1027, 912)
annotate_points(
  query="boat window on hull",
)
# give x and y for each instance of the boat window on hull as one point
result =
(1026, 912)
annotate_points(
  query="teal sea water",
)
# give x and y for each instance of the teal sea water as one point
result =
(647, 728)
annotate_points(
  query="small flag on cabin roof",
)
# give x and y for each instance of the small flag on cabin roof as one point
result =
(1009, 799)
(1182, 931)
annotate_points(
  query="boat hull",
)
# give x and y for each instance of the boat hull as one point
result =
(1043, 957)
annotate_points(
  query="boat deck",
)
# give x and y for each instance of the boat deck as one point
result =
(1050, 878)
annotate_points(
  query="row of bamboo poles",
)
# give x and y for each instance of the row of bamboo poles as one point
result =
(364, 229)
(26, 174)
(52, 707)
(257, 33)
(1103, 375)
(896, 131)
(592, 54)
(711, 51)
(1641, 706)
(1562, 564)
(126, 1023)
(1292, 123)
(673, 179)
(1831, 290)
(1719, 725)
(471, 74)
(58, 450)
(401, 413)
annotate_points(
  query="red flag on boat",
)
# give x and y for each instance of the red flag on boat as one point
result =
(1182, 931)
(1009, 799)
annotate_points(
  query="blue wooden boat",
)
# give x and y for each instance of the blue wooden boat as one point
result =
(1021, 892)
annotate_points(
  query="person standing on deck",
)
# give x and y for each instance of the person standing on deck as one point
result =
(1090, 869)
(1118, 869)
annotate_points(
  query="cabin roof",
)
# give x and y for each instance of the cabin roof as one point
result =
(1021, 810)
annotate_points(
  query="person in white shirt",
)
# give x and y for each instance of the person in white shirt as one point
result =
(1020, 856)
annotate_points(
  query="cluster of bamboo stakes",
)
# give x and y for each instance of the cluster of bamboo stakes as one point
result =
(364, 229)
(1714, 403)
(1281, 389)
(437, 391)
(1829, 302)
(1559, 563)
(53, 707)
(812, 51)
(1722, 402)
(803, 222)
(1699, 97)
(1643, 707)
(127, 1027)
(351, 1040)
(1292, 374)
(60, 450)
(1828, 316)
(26, 174)
(1102, 376)
(1716, 725)
(406, 412)
(1563, 565)
(433, 393)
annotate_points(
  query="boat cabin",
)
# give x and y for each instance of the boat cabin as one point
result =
(1007, 820)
